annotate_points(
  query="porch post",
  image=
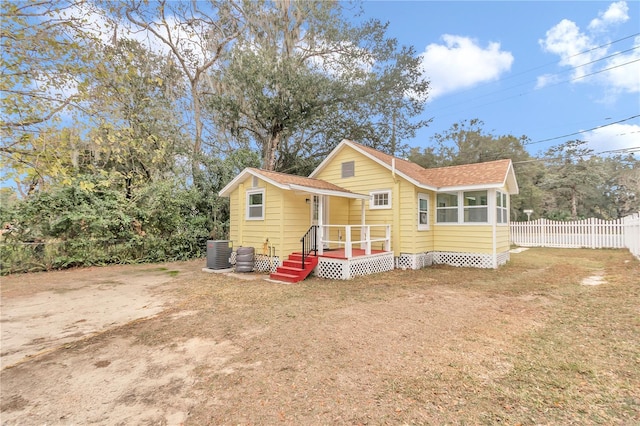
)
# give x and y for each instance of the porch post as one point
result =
(367, 238)
(387, 238)
(320, 241)
(348, 253)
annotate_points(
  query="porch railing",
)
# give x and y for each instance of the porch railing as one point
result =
(309, 243)
(345, 237)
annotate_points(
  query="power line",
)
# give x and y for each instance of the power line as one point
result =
(550, 85)
(583, 131)
(551, 75)
(469, 107)
(552, 63)
(621, 150)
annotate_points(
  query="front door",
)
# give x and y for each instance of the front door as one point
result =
(320, 216)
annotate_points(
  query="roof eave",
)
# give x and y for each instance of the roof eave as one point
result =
(473, 187)
(331, 192)
(231, 186)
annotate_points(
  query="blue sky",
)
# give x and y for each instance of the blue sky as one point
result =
(520, 67)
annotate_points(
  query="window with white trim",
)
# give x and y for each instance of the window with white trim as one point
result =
(476, 206)
(447, 207)
(423, 212)
(348, 169)
(380, 199)
(255, 204)
(501, 207)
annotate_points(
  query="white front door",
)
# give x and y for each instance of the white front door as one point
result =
(320, 215)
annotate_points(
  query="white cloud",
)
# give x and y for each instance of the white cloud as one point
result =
(616, 136)
(579, 50)
(461, 63)
(616, 13)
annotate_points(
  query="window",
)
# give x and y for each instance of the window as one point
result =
(475, 206)
(348, 169)
(501, 207)
(255, 204)
(380, 200)
(447, 209)
(423, 212)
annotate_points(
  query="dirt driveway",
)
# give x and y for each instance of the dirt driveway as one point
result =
(43, 311)
(169, 344)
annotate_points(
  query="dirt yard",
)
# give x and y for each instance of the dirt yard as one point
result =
(550, 338)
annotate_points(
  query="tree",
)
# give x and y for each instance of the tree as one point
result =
(46, 54)
(302, 78)
(135, 132)
(573, 176)
(619, 193)
(195, 34)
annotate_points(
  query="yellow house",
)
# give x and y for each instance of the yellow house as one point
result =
(362, 211)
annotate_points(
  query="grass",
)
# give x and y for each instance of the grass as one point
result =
(542, 348)
(525, 344)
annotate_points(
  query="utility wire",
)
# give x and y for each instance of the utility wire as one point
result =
(583, 131)
(550, 75)
(552, 63)
(550, 85)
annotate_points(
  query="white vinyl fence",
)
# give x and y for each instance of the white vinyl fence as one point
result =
(590, 233)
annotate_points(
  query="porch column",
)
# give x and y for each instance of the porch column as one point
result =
(320, 225)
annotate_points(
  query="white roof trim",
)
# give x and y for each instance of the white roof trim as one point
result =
(231, 186)
(319, 191)
(226, 191)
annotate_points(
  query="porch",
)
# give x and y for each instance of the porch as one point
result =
(347, 241)
(347, 251)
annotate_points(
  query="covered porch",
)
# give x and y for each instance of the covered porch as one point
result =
(346, 250)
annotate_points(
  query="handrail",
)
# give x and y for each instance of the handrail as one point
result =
(309, 242)
(365, 237)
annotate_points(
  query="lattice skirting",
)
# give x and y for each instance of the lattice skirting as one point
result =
(262, 263)
(469, 260)
(345, 269)
(414, 260)
(503, 258)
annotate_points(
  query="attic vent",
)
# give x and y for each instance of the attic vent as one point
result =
(254, 182)
(348, 169)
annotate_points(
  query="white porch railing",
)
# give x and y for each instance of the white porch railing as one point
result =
(348, 235)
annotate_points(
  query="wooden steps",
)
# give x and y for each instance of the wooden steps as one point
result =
(291, 270)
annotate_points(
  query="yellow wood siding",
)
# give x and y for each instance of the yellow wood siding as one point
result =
(369, 176)
(463, 238)
(286, 219)
(412, 239)
(287, 215)
(403, 216)
(503, 240)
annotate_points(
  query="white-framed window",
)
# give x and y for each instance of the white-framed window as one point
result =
(380, 199)
(447, 207)
(348, 169)
(255, 204)
(476, 206)
(423, 212)
(501, 207)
